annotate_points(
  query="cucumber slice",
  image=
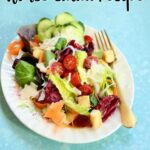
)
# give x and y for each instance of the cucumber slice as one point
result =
(57, 30)
(49, 32)
(42, 27)
(71, 32)
(48, 56)
(64, 18)
(79, 25)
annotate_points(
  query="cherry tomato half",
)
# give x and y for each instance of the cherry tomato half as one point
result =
(88, 39)
(75, 79)
(88, 61)
(86, 89)
(57, 67)
(70, 62)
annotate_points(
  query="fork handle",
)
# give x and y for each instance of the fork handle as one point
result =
(127, 116)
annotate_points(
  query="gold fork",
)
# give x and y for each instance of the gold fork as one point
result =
(103, 41)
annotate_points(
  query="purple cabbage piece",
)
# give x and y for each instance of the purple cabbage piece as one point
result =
(51, 93)
(26, 33)
(89, 48)
(61, 55)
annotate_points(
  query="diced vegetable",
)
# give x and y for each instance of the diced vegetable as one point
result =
(93, 100)
(61, 43)
(84, 101)
(86, 89)
(15, 47)
(107, 106)
(88, 39)
(24, 73)
(109, 56)
(56, 114)
(38, 104)
(57, 67)
(48, 56)
(89, 60)
(36, 52)
(70, 62)
(41, 57)
(96, 118)
(75, 79)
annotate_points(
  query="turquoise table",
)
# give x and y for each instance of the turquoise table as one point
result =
(130, 31)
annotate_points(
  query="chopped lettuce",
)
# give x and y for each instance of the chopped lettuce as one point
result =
(77, 107)
(98, 53)
(24, 73)
(68, 94)
(81, 56)
(103, 75)
(82, 73)
(65, 89)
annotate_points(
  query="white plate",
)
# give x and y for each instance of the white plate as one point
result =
(36, 123)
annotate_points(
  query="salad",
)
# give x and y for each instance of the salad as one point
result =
(59, 69)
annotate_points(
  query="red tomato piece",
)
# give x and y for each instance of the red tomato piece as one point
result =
(88, 39)
(75, 79)
(66, 73)
(75, 45)
(57, 67)
(88, 61)
(86, 89)
(70, 62)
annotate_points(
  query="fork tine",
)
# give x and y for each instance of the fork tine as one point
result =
(102, 44)
(105, 41)
(98, 44)
(109, 42)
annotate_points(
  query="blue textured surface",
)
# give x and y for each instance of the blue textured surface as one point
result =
(129, 31)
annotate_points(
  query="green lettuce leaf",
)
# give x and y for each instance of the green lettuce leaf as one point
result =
(82, 110)
(68, 94)
(65, 89)
(24, 73)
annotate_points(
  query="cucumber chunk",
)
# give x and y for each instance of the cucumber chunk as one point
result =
(71, 32)
(48, 56)
(42, 27)
(64, 18)
(79, 25)
(61, 43)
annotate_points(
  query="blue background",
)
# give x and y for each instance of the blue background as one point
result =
(130, 31)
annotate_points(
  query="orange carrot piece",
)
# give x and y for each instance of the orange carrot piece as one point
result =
(15, 47)
(41, 57)
(36, 39)
(38, 105)
(48, 71)
(115, 92)
(33, 44)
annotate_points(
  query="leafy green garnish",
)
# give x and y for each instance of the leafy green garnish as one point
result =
(93, 100)
(61, 43)
(24, 73)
